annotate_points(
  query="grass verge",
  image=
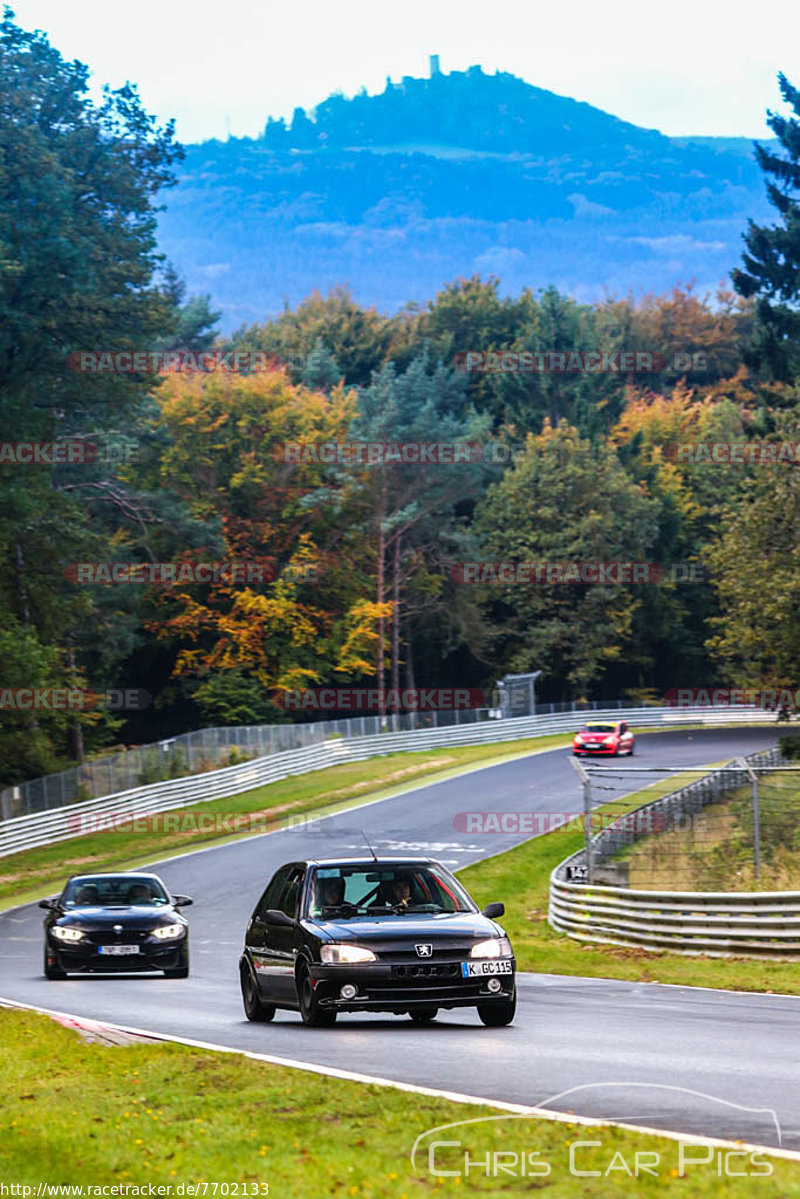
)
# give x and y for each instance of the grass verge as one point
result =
(168, 1115)
(521, 879)
(28, 875)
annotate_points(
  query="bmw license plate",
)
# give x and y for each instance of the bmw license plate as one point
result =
(117, 950)
(479, 969)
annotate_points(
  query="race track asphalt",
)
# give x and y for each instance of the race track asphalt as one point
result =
(689, 1060)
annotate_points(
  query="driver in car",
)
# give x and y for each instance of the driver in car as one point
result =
(140, 893)
(394, 894)
(400, 893)
(329, 893)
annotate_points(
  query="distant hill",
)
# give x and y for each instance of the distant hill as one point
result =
(435, 178)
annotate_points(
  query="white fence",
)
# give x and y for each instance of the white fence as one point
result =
(47, 828)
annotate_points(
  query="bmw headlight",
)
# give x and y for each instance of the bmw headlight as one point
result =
(168, 931)
(495, 947)
(337, 955)
(66, 934)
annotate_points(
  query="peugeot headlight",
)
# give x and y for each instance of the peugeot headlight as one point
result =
(495, 947)
(168, 931)
(337, 955)
(67, 934)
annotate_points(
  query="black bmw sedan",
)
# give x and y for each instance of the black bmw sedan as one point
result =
(392, 935)
(115, 922)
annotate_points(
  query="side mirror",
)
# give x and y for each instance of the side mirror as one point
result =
(279, 919)
(494, 910)
(48, 904)
(182, 901)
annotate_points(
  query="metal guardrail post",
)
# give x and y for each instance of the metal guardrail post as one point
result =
(756, 821)
(586, 782)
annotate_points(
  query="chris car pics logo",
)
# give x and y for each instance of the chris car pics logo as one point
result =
(505, 1146)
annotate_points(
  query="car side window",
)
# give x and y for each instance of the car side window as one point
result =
(271, 897)
(290, 895)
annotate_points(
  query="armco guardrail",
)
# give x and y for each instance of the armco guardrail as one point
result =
(716, 924)
(47, 828)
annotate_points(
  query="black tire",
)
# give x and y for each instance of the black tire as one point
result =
(630, 752)
(498, 1014)
(312, 1015)
(51, 972)
(178, 972)
(254, 1007)
(424, 1015)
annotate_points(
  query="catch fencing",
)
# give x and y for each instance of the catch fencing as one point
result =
(691, 825)
(48, 827)
(199, 752)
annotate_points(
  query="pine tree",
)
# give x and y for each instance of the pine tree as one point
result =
(772, 258)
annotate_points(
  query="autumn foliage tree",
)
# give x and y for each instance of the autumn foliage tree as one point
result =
(242, 450)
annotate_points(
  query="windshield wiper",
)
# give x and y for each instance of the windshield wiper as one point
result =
(346, 909)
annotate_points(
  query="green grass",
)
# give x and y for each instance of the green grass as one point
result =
(166, 1114)
(34, 872)
(520, 878)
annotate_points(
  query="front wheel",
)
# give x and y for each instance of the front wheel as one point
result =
(312, 1015)
(254, 1007)
(424, 1015)
(497, 1015)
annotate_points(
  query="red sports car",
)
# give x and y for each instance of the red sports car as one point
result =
(604, 738)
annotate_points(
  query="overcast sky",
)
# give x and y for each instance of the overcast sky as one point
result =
(689, 67)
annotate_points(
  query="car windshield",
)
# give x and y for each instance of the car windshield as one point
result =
(598, 728)
(349, 892)
(114, 891)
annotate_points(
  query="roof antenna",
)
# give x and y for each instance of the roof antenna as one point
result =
(369, 847)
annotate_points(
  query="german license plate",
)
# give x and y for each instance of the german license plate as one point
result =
(479, 969)
(117, 950)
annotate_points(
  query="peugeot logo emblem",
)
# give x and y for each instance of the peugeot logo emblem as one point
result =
(117, 928)
(424, 951)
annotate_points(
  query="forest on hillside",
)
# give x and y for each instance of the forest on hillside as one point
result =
(465, 173)
(365, 559)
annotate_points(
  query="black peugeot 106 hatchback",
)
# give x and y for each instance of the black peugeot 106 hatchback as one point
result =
(386, 935)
